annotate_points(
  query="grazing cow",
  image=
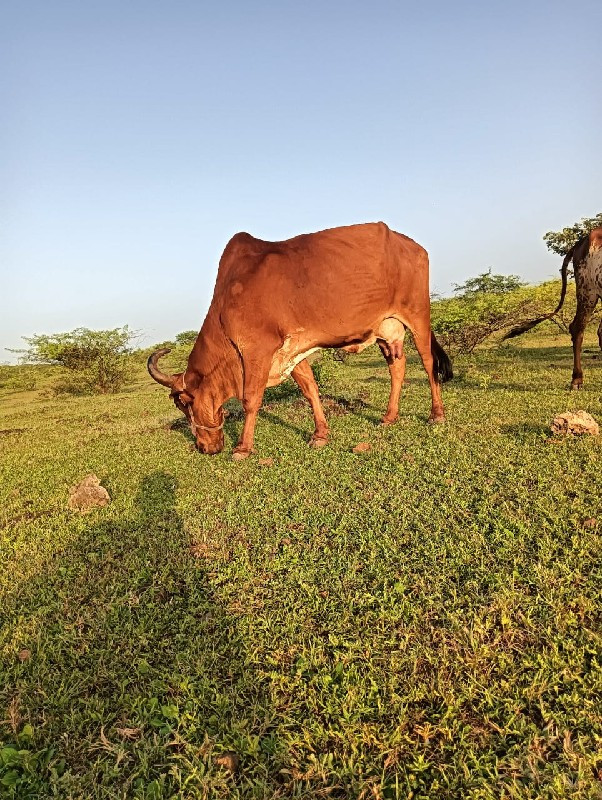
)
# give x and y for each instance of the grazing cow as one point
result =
(274, 303)
(586, 255)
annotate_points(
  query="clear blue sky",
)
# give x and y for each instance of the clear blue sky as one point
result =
(137, 137)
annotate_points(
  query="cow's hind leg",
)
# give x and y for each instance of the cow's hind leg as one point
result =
(396, 361)
(585, 308)
(304, 377)
(426, 344)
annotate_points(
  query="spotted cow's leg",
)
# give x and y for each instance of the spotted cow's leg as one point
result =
(304, 377)
(396, 361)
(585, 308)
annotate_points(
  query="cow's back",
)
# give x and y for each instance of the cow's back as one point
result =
(346, 275)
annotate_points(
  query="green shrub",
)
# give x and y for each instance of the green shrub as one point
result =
(92, 362)
(186, 338)
(462, 323)
(486, 283)
(17, 379)
(326, 368)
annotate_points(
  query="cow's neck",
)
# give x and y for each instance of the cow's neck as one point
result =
(215, 364)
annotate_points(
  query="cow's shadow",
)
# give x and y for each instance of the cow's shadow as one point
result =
(334, 406)
(275, 419)
(526, 429)
(233, 426)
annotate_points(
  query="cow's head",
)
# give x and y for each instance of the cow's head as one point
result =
(194, 400)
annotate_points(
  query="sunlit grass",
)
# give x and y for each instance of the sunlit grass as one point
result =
(419, 620)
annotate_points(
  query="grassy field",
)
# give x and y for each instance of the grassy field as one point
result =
(421, 620)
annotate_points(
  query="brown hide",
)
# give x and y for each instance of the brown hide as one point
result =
(336, 285)
(587, 266)
(274, 302)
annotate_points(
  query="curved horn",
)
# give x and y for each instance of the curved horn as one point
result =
(155, 372)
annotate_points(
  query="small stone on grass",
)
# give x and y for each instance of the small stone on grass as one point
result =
(362, 447)
(228, 760)
(575, 423)
(129, 733)
(88, 494)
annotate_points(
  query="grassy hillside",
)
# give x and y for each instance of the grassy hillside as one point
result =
(420, 620)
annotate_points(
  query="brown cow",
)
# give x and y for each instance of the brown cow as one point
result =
(274, 303)
(586, 255)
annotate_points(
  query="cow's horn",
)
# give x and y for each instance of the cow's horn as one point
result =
(155, 372)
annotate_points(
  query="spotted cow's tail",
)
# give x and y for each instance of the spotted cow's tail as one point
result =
(526, 326)
(442, 365)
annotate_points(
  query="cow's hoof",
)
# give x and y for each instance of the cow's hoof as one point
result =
(575, 387)
(317, 442)
(386, 421)
(240, 455)
(438, 420)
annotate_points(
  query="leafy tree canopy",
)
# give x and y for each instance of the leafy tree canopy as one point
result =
(76, 348)
(560, 242)
(486, 283)
(186, 338)
(96, 361)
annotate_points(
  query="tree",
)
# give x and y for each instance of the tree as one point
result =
(186, 338)
(93, 361)
(560, 242)
(462, 323)
(486, 283)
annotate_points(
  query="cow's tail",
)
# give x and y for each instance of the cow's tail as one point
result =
(526, 326)
(442, 365)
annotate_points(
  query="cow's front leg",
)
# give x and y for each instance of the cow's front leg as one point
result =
(256, 373)
(304, 377)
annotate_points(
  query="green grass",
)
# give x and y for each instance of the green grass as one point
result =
(421, 620)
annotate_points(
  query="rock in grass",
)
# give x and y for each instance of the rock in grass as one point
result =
(228, 760)
(575, 423)
(88, 494)
(362, 447)
(129, 733)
